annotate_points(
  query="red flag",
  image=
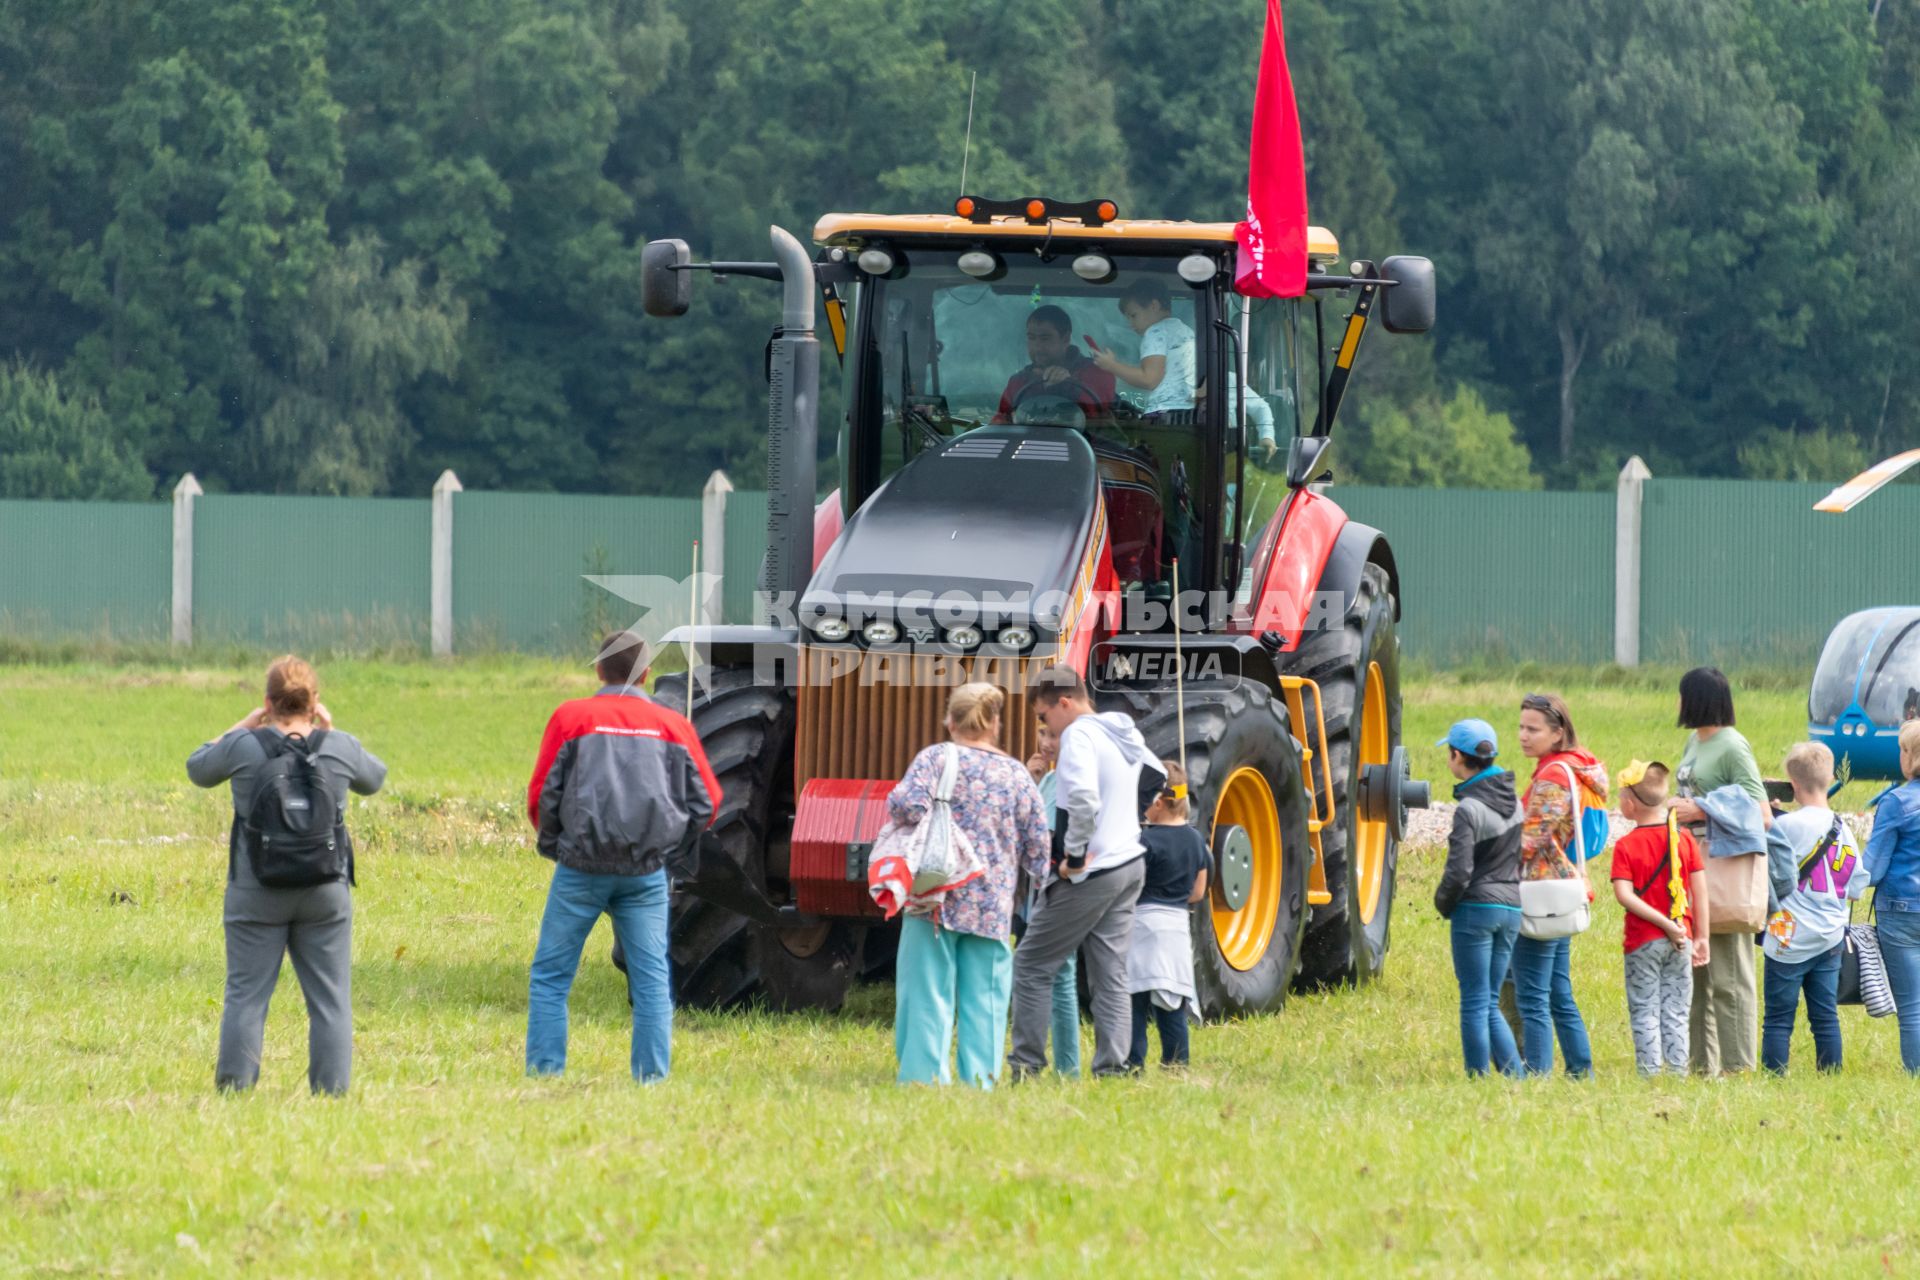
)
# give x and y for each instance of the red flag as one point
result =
(1272, 257)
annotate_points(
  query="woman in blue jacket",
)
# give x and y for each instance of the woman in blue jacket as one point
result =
(1893, 868)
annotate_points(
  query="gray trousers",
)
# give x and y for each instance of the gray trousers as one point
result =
(315, 927)
(1659, 1001)
(1094, 917)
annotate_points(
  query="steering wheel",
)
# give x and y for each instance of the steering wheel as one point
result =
(1046, 408)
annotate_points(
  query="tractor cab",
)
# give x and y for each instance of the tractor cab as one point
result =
(1061, 321)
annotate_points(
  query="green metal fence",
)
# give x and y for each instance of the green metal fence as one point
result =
(1728, 570)
(1515, 575)
(291, 573)
(522, 562)
(96, 569)
(1751, 571)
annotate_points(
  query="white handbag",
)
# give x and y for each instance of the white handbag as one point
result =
(1559, 908)
(916, 866)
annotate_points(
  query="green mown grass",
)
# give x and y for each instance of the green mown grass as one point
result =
(1337, 1137)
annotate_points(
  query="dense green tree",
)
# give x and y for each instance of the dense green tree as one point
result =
(55, 445)
(336, 248)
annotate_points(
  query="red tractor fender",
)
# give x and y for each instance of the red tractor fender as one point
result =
(1314, 557)
(827, 521)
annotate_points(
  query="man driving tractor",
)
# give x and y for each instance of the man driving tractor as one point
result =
(1057, 368)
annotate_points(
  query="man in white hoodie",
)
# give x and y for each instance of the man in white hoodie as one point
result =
(1104, 778)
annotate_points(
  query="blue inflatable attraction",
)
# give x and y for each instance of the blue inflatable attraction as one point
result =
(1866, 686)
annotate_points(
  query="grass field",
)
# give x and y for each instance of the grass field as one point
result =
(1338, 1137)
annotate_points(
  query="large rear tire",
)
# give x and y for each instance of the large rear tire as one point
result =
(720, 958)
(1357, 666)
(1243, 769)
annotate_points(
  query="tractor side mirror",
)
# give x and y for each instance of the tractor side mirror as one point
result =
(1409, 303)
(666, 286)
(1303, 457)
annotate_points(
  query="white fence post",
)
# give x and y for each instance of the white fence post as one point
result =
(183, 495)
(713, 545)
(440, 591)
(1627, 502)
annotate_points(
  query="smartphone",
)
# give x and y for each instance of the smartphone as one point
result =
(1091, 344)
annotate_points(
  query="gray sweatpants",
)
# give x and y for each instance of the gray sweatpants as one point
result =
(314, 926)
(1659, 997)
(1094, 917)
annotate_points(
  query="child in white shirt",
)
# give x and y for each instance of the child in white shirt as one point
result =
(1165, 371)
(1816, 869)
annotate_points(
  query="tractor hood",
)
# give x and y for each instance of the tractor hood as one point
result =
(989, 529)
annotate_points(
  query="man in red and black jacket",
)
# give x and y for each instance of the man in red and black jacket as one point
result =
(619, 796)
(1057, 370)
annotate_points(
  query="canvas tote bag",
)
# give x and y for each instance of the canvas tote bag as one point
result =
(1736, 893)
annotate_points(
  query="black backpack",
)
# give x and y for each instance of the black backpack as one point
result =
(295, 837)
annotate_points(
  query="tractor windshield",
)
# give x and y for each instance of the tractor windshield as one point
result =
(1121, 359)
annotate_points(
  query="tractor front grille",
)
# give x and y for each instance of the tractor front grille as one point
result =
(866, 714)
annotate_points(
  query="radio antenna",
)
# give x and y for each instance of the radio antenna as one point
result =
(966, 148)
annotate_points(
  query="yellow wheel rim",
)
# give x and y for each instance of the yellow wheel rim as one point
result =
(1247, 802)
(1367, 842)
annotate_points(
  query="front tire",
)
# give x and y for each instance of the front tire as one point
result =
(1357, 666)
(722, 959)
(1242, 769)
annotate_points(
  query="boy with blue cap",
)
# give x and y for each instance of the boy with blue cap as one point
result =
(1479, 891)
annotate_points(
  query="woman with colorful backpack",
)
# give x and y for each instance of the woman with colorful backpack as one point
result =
(955, 965)
(1557, 837)
(289, 871)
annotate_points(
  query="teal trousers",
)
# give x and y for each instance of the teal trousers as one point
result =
(943, 980)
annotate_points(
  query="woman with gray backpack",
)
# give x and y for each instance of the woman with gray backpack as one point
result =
(289, 871)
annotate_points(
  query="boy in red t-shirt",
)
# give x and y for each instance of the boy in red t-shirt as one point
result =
(1663, 944)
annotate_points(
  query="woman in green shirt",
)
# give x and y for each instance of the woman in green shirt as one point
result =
(1724, 1030)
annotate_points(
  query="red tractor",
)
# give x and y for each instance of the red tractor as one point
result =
(1051, 414)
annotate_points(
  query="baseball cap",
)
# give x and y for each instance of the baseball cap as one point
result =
(1472, 738)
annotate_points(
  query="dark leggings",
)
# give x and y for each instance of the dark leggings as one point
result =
(1173, 1032)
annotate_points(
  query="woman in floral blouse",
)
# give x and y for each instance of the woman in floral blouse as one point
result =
(1542, 968)
(956, 965)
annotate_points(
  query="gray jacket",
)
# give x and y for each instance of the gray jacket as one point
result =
(1483, 852)
(238, 758)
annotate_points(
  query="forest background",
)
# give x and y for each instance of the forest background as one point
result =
(310, 248)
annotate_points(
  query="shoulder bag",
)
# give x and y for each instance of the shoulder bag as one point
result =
(1560, 908)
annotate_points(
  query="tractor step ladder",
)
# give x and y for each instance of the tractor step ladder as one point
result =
(1294, 687)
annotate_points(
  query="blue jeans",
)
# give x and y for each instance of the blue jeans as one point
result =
(1900, 948)
(575, 902)
(1483, 938)
(1786, 979)
(1543, 988)
(942, 978)
(1066, 1018)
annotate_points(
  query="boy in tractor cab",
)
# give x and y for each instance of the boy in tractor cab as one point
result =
(1056, 368)
(1166, 368)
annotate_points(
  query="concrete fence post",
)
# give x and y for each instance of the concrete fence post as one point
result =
(183, 495)
(713, 545)
(440, 591)
(1628, 498)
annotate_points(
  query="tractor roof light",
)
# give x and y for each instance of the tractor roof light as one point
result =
(881, 262)
(982, 264)
(964, 206)
(1094, 268)
(1036, 210)
(1197, 268)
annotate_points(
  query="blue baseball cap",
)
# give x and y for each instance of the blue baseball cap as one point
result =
(1472, 738)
